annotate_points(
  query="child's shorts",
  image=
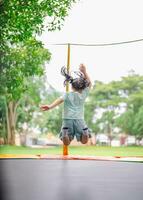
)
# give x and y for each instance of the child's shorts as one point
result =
(75, 128)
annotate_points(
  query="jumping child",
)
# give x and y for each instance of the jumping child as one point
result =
(73, 114)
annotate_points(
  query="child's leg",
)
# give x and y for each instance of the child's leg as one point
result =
(66, 134)
(81, 131)
(84, 136)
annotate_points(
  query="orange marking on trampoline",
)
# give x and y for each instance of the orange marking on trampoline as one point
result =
(75, 157)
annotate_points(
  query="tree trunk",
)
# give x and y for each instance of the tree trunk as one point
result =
(8, 126)
(109, 131)
(11, 121)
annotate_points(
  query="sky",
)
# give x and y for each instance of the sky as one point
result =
(94, 22)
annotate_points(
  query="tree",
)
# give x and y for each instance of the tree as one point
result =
(131, 87)
(25, 61)
(138, 123)
(116, 104)
(22, 56)
(135, 100)
(29, 112)
(126, 121)
(2, 118)
(105, 97)
(23, 19)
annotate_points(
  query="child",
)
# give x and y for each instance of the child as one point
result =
(73, 114)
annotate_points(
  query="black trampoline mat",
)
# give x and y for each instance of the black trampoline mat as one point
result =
(70, 180)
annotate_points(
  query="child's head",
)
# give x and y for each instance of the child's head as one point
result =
(77, 84)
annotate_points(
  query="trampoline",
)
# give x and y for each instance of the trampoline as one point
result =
(45, 179)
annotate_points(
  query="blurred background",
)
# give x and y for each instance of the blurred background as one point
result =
(31, 63)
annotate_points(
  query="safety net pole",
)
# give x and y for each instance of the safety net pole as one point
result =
(65, 147)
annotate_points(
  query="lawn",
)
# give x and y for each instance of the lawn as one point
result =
(78, 150)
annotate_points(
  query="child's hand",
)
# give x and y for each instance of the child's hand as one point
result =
(82, 68)
(45, 107)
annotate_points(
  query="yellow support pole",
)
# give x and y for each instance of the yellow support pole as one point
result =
(68, 66)
(65, 148)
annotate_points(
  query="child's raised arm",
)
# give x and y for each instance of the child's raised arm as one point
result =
(82, 68)
(52, 105)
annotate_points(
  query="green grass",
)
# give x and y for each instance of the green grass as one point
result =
(78, 150)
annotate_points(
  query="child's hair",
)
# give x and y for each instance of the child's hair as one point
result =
(79, 83)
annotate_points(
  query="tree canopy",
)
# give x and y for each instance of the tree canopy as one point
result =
(22, 19)
(116, 104)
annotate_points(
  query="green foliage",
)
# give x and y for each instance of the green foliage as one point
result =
(53, 118)
(131, 84)
(138, 123)
(126, 121)
(136, 100)
(20, 19)
(116, 104)
(39, 92)
(103, 96)
(21, 55)
(22, 62)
